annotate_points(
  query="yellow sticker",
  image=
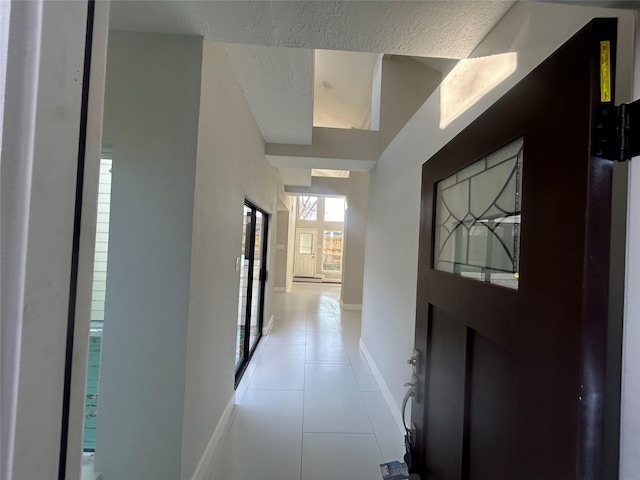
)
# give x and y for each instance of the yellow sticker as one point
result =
(605, 71)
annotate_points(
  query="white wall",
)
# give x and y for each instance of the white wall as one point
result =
(354, 248)
(630, 417)
(282, 249)
(406, 84)
(231, 166)
(291, 205)
(151, 122)
(285, 236)
(533, 30)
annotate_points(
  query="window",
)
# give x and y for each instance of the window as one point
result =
(478, 219)
(332, 251)
(307, 208)
(334, 209)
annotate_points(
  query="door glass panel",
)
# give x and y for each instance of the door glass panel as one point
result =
(478, 219)
(244, 281)
(305, 246)
(256, 301)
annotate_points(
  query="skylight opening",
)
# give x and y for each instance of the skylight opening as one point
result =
(322, 172)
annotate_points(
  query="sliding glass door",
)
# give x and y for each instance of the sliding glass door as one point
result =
(253, 276)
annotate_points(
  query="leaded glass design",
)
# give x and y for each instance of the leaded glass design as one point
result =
(478, 219)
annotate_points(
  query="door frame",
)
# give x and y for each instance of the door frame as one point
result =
(250, 247)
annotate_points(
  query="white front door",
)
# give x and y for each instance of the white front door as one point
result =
(305, 258)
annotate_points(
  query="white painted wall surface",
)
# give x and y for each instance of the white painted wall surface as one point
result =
(354, 248)
(282, 248)
(630, 415)
(291, 205)
(38, 175)
(405, 86)
(231, 166)
(152, 104)
(533, 30)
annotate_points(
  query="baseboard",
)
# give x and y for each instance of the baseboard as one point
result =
(279, 289)
(351, 306)
(266, 329)
(204, 468)
(307, 280)
(384, 389)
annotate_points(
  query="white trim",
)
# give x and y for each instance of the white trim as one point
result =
(84, 302)
(266, 329)
(384, 389)
(351, 306)
(41, 120)
(279, 289)
(204, 470)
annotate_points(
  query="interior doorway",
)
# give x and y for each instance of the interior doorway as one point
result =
(305, 253)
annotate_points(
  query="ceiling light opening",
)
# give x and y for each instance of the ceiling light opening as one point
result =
(323, 172)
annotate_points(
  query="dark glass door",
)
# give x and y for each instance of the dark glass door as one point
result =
(513, 278)
(253, 276)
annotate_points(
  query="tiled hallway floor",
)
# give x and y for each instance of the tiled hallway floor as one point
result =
(308, 408)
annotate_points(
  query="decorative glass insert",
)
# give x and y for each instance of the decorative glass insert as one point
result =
(478, 219)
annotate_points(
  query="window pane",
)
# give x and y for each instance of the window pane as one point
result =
(256, 301)
(478, 219)
(244, 280)
(332, 251)
(305, 246)
(334, 209)
(307, 208)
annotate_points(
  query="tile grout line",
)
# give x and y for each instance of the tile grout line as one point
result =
(375, 435)
(304, 390)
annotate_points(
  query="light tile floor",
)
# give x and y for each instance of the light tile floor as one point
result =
(308, 407)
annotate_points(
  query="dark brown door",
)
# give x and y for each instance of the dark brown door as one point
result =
(513, 281)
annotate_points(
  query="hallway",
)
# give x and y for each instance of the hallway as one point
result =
(308, 407)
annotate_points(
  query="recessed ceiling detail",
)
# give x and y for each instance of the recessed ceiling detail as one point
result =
(319, 172)
(343, 89)
(270, 45)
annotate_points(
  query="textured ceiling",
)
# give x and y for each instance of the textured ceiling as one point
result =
(272, 42)
(278, 84)
(449, 29)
